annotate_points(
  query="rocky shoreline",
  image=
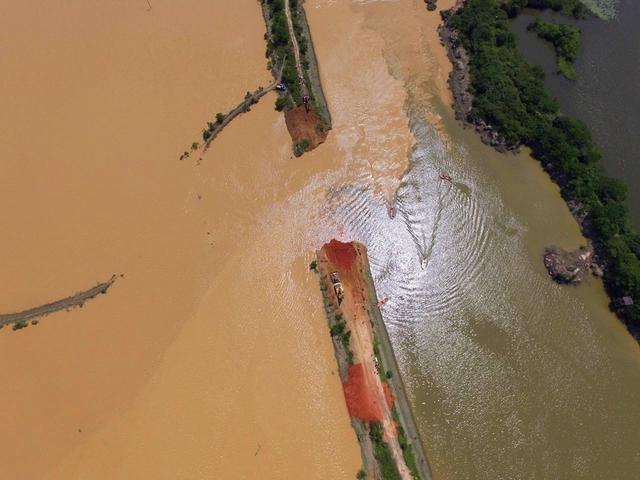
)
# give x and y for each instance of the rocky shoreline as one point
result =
(571, 267)
(459, 82)
(563, 266)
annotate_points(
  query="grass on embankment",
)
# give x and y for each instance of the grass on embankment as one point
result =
(382, 452)
(339, 331)
(280, 51)
(407, 448)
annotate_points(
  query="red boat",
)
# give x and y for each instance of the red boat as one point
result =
(392, 212)
(445, 176)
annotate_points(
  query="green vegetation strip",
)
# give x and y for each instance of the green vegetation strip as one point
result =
(19, 319)
(565, 39)
(405, 445)
(569, 7)
(605, 9)
(382, 452)
(280, 51)
(339, 330)
(509, 94)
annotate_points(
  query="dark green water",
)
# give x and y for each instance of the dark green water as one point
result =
(606, 94)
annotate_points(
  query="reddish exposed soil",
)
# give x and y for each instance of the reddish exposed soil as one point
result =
(342, 255)
(303, 125)
(361, 398)
(368, 397)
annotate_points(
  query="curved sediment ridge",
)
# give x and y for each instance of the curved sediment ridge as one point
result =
(373, 388)
(245, 106)
(72, 301)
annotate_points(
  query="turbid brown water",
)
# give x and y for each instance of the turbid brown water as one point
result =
(211, 359)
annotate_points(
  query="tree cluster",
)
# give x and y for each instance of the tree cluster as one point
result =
(280, 47)
(565, 39)
(509, 95)
(569, 7)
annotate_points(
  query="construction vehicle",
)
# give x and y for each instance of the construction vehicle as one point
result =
(337, 286)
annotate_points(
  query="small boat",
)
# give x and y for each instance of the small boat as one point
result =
(392, 212)
(423, 263)
(445, 176)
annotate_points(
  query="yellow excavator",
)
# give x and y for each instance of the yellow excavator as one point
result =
(337, 286)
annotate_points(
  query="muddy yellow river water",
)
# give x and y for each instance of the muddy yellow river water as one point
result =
(210, 357)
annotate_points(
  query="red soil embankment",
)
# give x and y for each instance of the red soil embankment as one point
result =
(342, 255)
(369, 397)
(303, 125)
(361, 398)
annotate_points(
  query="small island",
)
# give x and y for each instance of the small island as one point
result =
(565, 39)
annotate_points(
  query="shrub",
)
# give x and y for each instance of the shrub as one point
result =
(313, 265)
(19, 325)
(569, 7)
(382, 452)
(194, 146)
(220, 117)
(337, 329)
(301, 147)
(281, 103)
(346, 337)
(565, 39)
(361, 475)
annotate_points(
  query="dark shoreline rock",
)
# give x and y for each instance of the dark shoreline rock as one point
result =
(570, 267)
(431, 5)
(459, 82)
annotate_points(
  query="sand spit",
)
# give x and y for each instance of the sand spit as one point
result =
(373, 388)
(251, 98)
(72, 301)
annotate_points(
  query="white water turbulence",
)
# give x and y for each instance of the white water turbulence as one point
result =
(505, 369)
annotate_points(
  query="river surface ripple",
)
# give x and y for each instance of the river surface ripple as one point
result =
(511, 376)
